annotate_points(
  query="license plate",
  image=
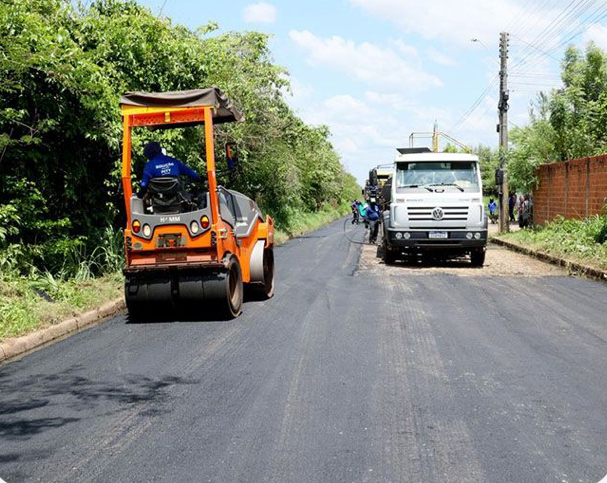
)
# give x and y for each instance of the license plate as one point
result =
(438, 234)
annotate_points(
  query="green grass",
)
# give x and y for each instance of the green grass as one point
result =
(302, 223)
(575, 240)
(28, 304)
(41, 299)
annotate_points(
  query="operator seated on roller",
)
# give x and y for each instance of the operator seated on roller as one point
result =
(162, 166)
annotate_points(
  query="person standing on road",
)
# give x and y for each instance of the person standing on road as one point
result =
(511, 206)
(355, 212)
(524, 220)
(492, 208)
(372, 216)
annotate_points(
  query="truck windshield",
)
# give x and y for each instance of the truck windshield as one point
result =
(448, 175)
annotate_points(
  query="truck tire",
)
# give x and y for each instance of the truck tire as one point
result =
(388, 256)
(477, 257)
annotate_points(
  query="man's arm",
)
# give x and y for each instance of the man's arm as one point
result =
(185, 171)
(145, 180)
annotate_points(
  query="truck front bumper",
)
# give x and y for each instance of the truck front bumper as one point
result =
(465, 239)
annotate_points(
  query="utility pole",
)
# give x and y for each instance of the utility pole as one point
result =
(435, 135)
(502, 128)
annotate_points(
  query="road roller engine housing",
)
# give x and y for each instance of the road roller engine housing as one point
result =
(189, 250)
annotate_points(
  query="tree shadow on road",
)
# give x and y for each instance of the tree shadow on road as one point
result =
(32, 405)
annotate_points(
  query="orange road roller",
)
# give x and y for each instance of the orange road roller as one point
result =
(190, 250)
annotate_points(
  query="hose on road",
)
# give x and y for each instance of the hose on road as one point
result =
(356, 242)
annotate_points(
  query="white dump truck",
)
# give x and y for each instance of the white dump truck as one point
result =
(435, 207)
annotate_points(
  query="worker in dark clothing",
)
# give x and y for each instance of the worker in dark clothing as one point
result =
(511, 206)
(355, 213)
(161, 165)
(372, 215)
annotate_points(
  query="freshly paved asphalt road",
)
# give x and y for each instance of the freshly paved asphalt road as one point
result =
(347, 375)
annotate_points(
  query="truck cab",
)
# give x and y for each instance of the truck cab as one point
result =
(435, 205)
(374, 186)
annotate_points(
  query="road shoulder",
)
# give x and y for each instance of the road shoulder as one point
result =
(570, 265)
(19, 346)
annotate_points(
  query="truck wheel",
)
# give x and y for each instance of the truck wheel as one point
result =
(388, 256)
(477, 257)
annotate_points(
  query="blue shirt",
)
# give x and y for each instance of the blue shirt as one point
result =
(162, 165)
(492, 207)
(372, 213)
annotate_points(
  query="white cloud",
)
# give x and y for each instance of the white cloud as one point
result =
(260, 12)
(367, 130)
(598, 34)
(367, 62)
(405, 49)
(460, 20)
(362, 132)
(440, 58)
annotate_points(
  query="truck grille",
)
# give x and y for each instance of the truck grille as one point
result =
(450, 213)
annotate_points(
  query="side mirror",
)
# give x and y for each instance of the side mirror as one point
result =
(231, 156)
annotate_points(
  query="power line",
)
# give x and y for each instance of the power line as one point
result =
(162, 7)
(475, 104)
(598, 17)
(527, 25)
(592, 18)
(534, 47)
(542, 46)
(551, 31)
(545, 35)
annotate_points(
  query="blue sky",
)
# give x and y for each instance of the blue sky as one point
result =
(376, 70)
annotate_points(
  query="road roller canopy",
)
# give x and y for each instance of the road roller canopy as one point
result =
(178, 108)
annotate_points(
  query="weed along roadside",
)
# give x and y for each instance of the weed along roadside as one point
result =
(32, 319)
(579, 245)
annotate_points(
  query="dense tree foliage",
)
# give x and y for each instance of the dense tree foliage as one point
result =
(566, 123)
(63, 68)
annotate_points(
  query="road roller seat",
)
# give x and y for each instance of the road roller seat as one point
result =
(167, 195)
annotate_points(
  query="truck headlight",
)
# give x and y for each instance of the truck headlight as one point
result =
(477, 235)
(469, 236)
(407, 236)
(398, 235)
(147, 230)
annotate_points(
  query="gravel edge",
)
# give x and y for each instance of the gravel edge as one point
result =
(578, 268)
(18, 346)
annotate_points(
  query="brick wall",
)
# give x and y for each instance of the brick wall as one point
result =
(573, 189)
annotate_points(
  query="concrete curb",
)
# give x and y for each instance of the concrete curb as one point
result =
(587, 271)
(19, 346)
